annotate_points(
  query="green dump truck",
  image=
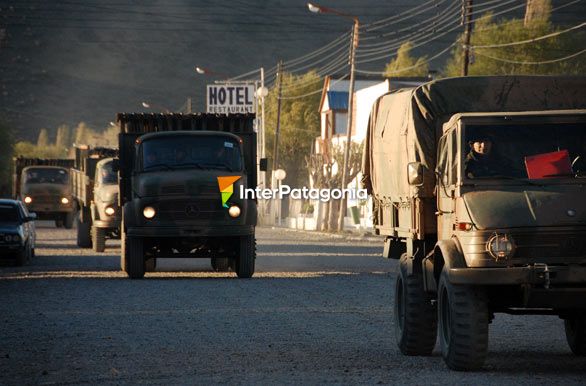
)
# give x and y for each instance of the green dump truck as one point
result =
(95, 188)
(180, 176)
(478, 186)
(44, 186)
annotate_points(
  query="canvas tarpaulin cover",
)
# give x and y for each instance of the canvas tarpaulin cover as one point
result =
(405, 126)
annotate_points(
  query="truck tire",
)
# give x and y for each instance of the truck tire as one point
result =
(68, 220)
(84, 239)
(58, 223)
(99, 239)
(415, 316)
(576, 334)
(463, 324)
(244, 263)
(134, 256)
(221, 264)
(123, 248)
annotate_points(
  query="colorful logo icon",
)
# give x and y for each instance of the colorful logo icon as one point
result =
(226, 185)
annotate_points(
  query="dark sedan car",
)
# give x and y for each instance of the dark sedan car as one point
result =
(17, 232)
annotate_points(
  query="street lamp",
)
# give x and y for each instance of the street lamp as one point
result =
(147, 105)
(353, 45)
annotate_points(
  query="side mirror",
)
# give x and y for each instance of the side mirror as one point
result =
(115, 165)
(415, 173)
(31, 217)
(263, 164)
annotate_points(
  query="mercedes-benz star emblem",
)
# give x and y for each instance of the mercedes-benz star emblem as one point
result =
(191, 210)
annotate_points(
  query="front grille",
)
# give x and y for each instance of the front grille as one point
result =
(185, 210)
(45, 199)
(551, 244)
(173, 189)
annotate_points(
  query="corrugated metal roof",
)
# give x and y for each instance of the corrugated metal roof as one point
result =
(338, 100)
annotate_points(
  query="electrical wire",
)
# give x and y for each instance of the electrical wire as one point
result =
(410, 67)
(533, 39)
(532, 63)
(313, 92)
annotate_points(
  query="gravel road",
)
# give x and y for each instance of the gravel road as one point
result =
(317, 311)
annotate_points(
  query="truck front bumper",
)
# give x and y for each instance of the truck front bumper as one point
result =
(560, 287)
(189, 232)
(537, 274)
(113, 223)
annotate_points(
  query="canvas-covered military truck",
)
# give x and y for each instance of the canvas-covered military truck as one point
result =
(479, 188)
(44, 186)
(95, 187)
(180, 176)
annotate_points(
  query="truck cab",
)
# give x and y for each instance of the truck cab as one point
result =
(46, 190)
(180, 193)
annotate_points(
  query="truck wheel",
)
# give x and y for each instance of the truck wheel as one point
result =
(84, 239)
(220, 264)
(99, 239)
(415, 315)
(463, 324)
(246, 255)
(134, 256)
(68, 220)
(58, 223)
(576, 334)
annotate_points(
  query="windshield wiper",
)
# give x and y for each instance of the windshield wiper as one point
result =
(159, 165)
(220, 164)
(196, 164)
(520, 179)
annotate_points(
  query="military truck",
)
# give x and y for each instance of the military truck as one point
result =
(471, 241)
(179, 177)
(44, 186)
(95, 187)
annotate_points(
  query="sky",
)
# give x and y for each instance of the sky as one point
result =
(64, 62)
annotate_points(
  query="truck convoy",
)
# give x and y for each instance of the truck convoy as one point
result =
(179, 177)
(44, 186)
(478, 186)
(95, 187)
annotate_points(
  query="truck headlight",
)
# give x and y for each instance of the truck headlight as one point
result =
(501, 247)
(28, 200)
(110, 211)
(234, 211)
(149, 212)
(65, 200)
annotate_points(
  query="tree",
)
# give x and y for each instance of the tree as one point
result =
(300, 123)
(63, 139)
(5, 160)
(519, 59)
(406, 65)
(43, 138)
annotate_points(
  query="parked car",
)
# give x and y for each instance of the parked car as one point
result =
(17, 232)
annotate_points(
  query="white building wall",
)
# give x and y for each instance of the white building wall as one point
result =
(364, 100)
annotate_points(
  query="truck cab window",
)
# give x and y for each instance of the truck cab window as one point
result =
(500, 151)
(46, 176)
(192, 151)
(106, 176)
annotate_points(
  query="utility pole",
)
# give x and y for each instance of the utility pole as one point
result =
(467, 21)
(262, 123)
(278, 128)
(345, 171)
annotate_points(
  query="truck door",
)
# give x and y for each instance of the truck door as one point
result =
(446, 184)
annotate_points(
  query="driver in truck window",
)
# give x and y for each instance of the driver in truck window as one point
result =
(480, 161)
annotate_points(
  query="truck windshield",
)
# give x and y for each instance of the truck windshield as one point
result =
(192, 151)
(106, 176)
(533, 151)
(8, 213)
(46, 176)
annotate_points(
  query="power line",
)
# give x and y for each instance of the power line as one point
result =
(316, 91)
(531, 40)
(532, 63)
